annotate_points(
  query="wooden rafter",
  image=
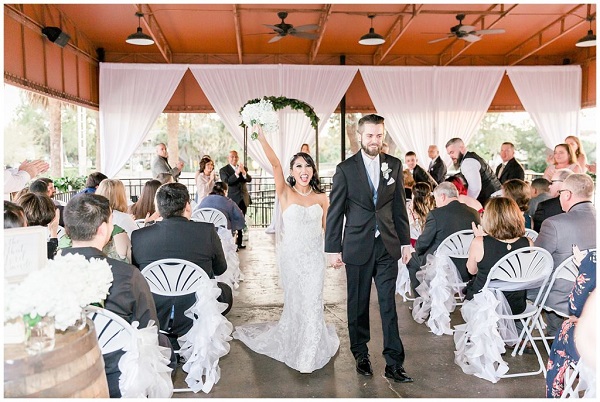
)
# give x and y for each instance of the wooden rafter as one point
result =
(538, 39)
(238, 32)
(323, 18)
(400, 26)
(481, 20)
(154, 31)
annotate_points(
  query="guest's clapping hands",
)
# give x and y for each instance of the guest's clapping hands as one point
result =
(152, 218)
(34, 167)
(180, 165)
(53, 226)
(477, 230)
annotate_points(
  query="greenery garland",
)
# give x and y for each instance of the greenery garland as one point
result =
(280, 102)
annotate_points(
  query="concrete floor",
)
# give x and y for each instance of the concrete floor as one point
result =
(429, 358)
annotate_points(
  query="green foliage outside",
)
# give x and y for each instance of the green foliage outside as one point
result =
(68, 183)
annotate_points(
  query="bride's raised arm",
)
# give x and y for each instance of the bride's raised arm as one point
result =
(280, 185)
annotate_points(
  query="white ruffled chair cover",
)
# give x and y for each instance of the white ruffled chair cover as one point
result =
(233, 276)
(207, 341)
(145, 371)
(439, 281)
(403, 281)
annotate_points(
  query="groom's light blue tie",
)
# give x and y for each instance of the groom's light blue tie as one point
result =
(370, 175)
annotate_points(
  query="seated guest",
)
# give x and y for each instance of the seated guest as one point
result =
(563, 351)
(461, 185)
(178, 237)
(92, 182)
(551, 206)
(564, 158)
(41, 211)
(540, 191)
(88, 220)
(45, 185)
(418, 173)
(504, 225)
(217, 199)
(520, 192)
(409, 182)
(144, 208)
(14, 216)
(422, 203)
(447, 218)
(558, 234)
(164, 178)
(114, 190)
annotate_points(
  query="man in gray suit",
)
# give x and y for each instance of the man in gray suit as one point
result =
(160, 163)
(558, 234)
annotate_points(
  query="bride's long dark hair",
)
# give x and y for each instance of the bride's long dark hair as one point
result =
(314, 182)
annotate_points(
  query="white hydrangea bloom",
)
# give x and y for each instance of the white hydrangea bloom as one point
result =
(263, 114)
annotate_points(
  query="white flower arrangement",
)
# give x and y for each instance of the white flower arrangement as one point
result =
(385, 170)
(263, 114)
(60, 289)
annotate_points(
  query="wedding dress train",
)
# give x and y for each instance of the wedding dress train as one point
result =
(300, 339)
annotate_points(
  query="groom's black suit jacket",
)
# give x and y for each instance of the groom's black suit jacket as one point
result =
(351, 197)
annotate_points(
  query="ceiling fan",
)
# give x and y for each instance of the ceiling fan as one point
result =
(282, 30)
(467, 32)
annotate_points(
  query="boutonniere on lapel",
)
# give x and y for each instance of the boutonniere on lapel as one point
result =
(385, 170)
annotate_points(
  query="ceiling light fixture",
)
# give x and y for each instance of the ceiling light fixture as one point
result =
(371, 39)
(589, 39)
(139, 38)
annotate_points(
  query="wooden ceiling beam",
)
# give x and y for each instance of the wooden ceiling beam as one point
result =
(323, 18)
(154, 31)
(538, 41)
(238, 32)
(399, 27)
(447, 52)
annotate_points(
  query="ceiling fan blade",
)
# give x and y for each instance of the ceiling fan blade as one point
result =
(275, 38)
(440, 39)
(304, 28)
(488, 31)
(304, 35)
(471, 38)
(466, 28)
(274, 28)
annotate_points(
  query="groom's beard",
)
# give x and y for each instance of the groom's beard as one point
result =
(371, 151)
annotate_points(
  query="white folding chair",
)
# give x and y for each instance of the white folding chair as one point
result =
(530, 233)
(522, 269)
(177, 277)
(60, 232)
(140, 223)
(210, 215)
(113, 334)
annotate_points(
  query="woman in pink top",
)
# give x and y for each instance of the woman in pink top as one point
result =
(564, 158)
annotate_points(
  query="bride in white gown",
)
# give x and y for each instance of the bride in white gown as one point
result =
(300, 339)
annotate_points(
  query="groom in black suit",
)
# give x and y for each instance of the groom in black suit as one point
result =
(368, 193)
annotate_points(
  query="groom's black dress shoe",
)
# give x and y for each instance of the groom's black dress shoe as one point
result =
(363, 366)
(397, 373)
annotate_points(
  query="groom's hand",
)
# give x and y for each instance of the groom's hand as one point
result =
(335, 260)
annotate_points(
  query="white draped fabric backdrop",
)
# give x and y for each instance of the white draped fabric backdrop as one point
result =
(422, 105)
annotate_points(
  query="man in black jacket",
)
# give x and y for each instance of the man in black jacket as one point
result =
(437, 168)
(418, 173)
(88, 221)
(178, 237)
(551, 207)
(510, 168)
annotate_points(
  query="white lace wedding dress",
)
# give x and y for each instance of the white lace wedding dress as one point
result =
(300, 339)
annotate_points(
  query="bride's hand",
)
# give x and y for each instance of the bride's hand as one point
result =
(258, 128)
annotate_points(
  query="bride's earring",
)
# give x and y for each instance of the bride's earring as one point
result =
(291, 180)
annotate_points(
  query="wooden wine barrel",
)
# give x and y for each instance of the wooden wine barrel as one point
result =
(73, 369)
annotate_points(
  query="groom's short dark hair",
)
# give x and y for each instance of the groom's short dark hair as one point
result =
(371, 119)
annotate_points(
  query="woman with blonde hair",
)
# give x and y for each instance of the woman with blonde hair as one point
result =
(114, 190)
(580, 156)
(502, 230)
(564, 158)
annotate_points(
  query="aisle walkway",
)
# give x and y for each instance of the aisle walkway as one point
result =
(430, 358)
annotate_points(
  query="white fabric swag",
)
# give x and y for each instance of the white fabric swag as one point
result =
(552, 96)
(132, 96)
(429, 105)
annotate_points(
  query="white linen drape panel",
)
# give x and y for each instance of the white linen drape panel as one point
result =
(552, 96)
(463, 96)
(228, 88)
(132, 96)
(404, 96)
(430, 105)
